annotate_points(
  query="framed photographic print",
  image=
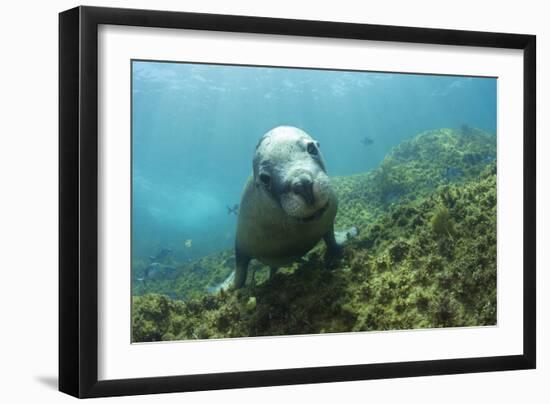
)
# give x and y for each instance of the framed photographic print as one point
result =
(250, 201)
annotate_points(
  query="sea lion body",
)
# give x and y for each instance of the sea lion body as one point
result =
(287, 205)
(267, 234)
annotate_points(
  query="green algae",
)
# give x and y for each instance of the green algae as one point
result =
(442, 223)
(424, 260)
(193, 280)
(411, 171)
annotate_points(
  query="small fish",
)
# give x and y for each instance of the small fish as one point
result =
(367, 141)
(152, 270)
(188, 243)
(158, 271)
(162, 255)
(234, 209)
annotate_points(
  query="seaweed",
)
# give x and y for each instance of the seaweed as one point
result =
(442, 223)
(425, 259)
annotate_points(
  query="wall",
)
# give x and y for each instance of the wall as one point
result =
(28, 214)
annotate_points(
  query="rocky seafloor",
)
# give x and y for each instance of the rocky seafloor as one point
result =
(425, 257)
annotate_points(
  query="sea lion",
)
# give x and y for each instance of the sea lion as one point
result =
(287, 205)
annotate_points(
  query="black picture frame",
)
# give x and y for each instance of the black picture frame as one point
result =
(78, 201)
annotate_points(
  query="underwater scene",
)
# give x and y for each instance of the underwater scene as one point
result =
(274, 201)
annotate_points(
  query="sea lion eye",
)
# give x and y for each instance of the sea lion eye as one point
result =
(311, 149)
(265, 178)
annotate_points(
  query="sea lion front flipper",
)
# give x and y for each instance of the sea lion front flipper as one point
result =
(334, 248)
(241, 262)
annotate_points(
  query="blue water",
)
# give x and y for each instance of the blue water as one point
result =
(195, 127)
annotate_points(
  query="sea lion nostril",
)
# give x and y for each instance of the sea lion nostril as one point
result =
(303, 186)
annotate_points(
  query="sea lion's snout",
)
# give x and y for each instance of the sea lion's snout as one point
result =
(288, 167)
(303, 186)
(306, 194)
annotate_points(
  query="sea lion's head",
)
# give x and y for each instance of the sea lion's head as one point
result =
(288, 166)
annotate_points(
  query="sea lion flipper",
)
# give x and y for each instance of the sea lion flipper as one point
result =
(336, 240)
(343, 236)
(241, 262)
(334, 248)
